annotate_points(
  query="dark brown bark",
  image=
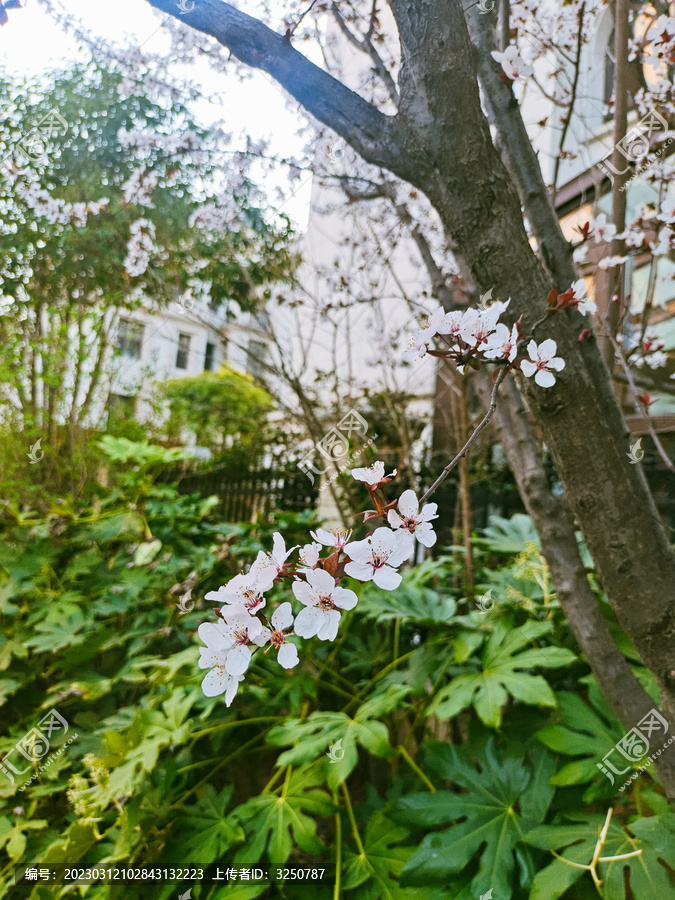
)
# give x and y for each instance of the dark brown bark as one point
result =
(440, 142)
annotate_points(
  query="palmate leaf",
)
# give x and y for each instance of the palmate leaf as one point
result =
(587, 731)
(501, 675)
(313, 737)
(375, 872)
(576, 842)
(209, 829)
(408, 603)
(503, 801)
(280, 821)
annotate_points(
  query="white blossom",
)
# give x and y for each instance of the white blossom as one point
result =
(282, 620)
(502, 344)
(141, 244)
(371, 474)
(512, 63)
(214, 656)
(323, 601)
(240, 590)
(542, 360)
(378, 556)
(603, 230)
(408, 518)
(240, 629)
(268, 565)
(584, 304)
(334, 537)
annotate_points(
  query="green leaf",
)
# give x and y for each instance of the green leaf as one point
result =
(500, 677)
(489, 819)
(210, 832)
(323, 729)
(577, 842)
(407, 603)
(279, 822)
(588, 730)
(375, 872)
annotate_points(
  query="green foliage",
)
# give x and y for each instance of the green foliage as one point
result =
(217, 406)
(66, 277)
(488, 809)
(499, 674)
(160, 774)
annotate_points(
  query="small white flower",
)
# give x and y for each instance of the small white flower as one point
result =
(603, 230)
(452, 323)
(240, 629)
(323, 600)
(309, 555)
(282, 620)
(667, 213)
(579, 254)
(542, 359)
(502, 344)
(584, 305)
(371, 474)
(377, 558)
(408, 517)
(242, 589)
(655, 360)
(268, 565)
(214, 656)
(511, 62)
(334, 537)
(609, 262)
(478, 325)
(418, 346)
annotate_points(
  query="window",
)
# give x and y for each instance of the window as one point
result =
(209, 357)
(255, 358)
(129, 338)
(183, 350)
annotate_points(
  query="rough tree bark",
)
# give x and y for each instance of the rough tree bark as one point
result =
(440, 142)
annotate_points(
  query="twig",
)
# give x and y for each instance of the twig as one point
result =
(486, 418)
(596, 855)
(573, 97)
(638, 405)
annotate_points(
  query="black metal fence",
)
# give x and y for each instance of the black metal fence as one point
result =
(248, 496)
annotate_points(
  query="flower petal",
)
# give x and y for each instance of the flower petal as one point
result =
(238, 660)
(344, 598)
(288, 655)
(360, 571)
(283, 616)
(387, 578)
(544, 378)
(408, 503)
(308, 622)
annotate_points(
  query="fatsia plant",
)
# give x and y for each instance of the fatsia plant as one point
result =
(501, 800)
(501, 671)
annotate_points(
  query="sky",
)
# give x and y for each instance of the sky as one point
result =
(31, 42)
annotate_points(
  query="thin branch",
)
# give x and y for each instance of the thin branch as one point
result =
(638, 405)
(573, 97)
(472, 440)
(366, 46)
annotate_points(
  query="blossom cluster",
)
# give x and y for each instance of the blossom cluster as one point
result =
(243, 627)
(475, 336)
